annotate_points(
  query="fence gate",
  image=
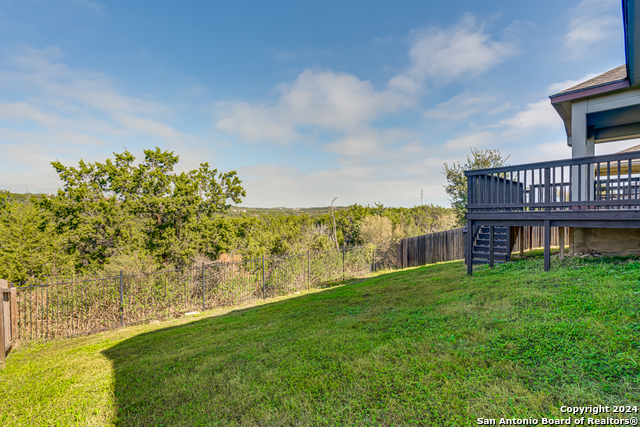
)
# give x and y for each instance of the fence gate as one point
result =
(8, 318)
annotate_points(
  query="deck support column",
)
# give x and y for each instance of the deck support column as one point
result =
(547, 245)
(521, 240)
(469, 248)
(509, 243)
(491, 245)
(561, 242)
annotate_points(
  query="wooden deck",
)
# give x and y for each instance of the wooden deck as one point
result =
(595, 192)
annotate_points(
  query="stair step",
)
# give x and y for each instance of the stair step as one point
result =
(485, 249)
(495, 236)
(486, 261)
(485, 242)
(486, 229)
(482, 255)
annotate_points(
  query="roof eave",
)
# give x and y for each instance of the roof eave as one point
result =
(591, 91)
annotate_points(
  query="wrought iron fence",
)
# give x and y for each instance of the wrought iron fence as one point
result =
(94, 304)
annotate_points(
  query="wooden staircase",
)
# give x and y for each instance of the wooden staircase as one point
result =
(483, 246)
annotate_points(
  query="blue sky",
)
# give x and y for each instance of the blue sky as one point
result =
(308, 101)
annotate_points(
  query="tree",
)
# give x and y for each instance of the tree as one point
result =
(456, 186)
(118, 206)
(29, 247)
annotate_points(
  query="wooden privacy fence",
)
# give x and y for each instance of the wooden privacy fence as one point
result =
(431, 248)
(450, 245)
(534, 238)
(8, 318)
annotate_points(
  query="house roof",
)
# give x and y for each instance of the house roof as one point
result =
(612, 76)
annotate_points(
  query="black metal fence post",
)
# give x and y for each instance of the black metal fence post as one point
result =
(374, 259)
(344, 250)
(309, 267)
(121, 302)
(202, 286)
(264, 289)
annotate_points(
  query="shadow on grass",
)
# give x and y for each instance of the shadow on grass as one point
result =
(423, 346)
(289, 362)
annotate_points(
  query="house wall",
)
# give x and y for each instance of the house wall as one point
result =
(619, 241)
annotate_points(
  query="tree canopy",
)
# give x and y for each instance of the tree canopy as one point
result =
(456, 187)
(119, 206)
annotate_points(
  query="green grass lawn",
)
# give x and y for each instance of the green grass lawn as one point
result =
(424, 346)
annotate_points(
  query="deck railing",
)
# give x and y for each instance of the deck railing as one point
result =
(588, 183)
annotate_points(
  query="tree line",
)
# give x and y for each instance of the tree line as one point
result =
(144, 216)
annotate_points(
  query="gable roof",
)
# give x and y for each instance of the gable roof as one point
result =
(612, 76)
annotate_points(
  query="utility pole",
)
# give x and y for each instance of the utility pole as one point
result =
(421, 197)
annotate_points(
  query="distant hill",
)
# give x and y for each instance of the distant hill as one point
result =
(233, 211)
(23, 197)
(312, 212)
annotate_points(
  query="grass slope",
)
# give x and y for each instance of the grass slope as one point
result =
(425, 346)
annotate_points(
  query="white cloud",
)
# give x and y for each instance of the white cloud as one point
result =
(546, 152)
(322, 99)
(326, 101)
(367, 142)
(74, 100)
(23, 111)
(480, 139)
(592, 23)
(49, 110)
(461, 106)
(461, 50)
(364, 184)
(66, 136)
(254, 123)
(40, 72)
(538, 115)
(146, 126)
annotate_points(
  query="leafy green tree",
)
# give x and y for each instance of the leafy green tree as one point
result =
(94, 223)
(29, 247)
(456, 186)
(119, 206)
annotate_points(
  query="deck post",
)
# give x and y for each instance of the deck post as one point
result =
(491, 245)
(547, 188)
(561, 242)
(521, 240)
(547, 245)
(469, 247)
(509, 243)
